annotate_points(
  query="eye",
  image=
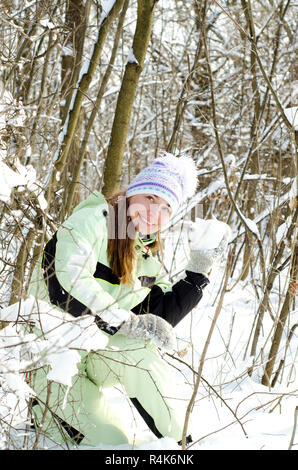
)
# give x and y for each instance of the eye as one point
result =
(166, 209)
(150, 198)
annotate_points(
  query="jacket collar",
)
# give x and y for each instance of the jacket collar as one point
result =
(142, 242)
(147, 239)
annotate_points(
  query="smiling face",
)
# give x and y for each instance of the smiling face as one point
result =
(148, 213)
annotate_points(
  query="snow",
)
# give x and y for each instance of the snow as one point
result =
(131, 57)
(62, 334)
(67, 51)
(21, 176)
(8, 180)
(107, 5)
(10, 111)
(47, 24)
(292, 115)
(60, 362)
(57, 326)
(24, 176)
(252, 226)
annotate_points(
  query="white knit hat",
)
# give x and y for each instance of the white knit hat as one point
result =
(172, 178)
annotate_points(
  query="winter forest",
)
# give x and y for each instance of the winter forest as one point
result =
(90, 92)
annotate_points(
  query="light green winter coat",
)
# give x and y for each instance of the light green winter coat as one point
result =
(134, 364)
(82, 243)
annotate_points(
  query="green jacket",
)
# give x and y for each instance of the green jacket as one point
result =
(80, 269)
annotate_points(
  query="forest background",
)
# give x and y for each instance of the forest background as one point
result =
(92, 91)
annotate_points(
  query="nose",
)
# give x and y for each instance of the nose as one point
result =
(153, 213)
(157, 214)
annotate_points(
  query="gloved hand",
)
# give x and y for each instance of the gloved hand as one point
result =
(201, 261)
(151, 327)
(202, 256)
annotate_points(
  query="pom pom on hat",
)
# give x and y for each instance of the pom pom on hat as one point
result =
(186, 172)
(172, 178)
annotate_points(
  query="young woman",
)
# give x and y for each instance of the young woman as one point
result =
(101, 262)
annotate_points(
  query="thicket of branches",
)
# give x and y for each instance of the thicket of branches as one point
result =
(90, 93)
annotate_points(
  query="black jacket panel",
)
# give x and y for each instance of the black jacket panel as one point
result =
(174, 305)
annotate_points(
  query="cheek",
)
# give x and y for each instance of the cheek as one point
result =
(164, 218)
(130, 212)
(137, 208)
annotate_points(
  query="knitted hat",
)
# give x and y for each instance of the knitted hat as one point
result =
(171, 178)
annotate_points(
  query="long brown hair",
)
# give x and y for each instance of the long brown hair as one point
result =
(121, 253)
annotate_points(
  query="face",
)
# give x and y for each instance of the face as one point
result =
(148, 213)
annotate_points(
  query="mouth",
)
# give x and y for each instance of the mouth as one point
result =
(145, 220)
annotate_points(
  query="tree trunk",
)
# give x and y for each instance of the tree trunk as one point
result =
(17, 287)
(102, 88)
(76, 17)
(254, 160)
(285, 310)
(200, 84)
(82, 90)
(76, 21)
(133, 69)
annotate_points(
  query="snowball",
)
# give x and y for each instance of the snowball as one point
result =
(207, 234)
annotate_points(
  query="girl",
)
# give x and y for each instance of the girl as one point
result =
(100, 262)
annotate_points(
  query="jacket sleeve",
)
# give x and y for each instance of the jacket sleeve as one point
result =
(79, 241)
(173, 305)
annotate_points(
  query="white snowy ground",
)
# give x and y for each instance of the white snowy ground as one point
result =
(246, 416)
